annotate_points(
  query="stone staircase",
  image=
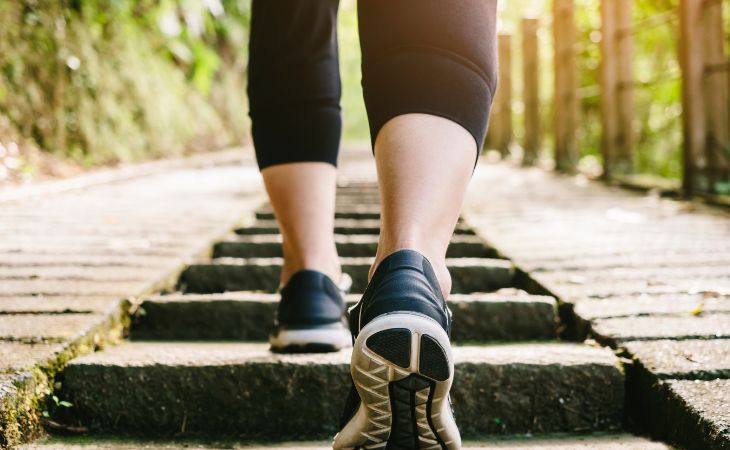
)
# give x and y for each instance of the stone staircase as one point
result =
(197, 366)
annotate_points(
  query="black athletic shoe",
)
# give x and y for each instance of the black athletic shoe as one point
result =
(311, 316)
(402, 366)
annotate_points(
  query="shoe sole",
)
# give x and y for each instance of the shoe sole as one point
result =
(402, 368)
(312, 340)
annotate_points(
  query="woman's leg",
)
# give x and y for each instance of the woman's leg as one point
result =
(424, 164)
(294, 93)
(429, 74)
(303, 198)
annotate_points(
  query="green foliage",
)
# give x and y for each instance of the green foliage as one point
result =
(105, 81)
(588, 59)
(657, 97)
(353, 107)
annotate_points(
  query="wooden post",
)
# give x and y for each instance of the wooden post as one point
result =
(717, 97)
(694, 124)
(500, 124)
(530, 91)
(616, 87)
(624, 57)
(566, 101)
(705, 96)
(609, 86)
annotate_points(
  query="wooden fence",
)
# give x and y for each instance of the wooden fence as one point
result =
(705, 77)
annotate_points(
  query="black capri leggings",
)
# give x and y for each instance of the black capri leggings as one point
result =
(418, 56)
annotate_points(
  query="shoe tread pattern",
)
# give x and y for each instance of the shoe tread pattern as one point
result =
(433, 362)
(411, 426)
(393, 344)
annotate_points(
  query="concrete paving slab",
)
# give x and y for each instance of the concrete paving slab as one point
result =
(674, 304)
(527, 387)
(342, 226)
(574, 291)
(100, 227)
(250, 316)
(55, 246)
(586, 229)
(70, 272)
(362, 212)
(46, 327)
(30, 242)
(628, 258)
(651, 275)
(18, 393)
(691, 414)
(705, 326)
(67, 288)
(238, 274)
(57, 304)
(353, 245)
(102, 258)
(16, 356)
(708, 401)
(194, 354)
(577, 442)
(690, 359)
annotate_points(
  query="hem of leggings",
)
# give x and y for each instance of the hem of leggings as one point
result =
(443, 52)
(416, 80)
(295, 161)
(431, 113)
(299, 134)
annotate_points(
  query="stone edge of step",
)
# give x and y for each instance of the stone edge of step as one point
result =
(512, 316)
(612, 441)
(520, 365)
(253, 296)
(204, 354)
(22, 390)
(277, 261)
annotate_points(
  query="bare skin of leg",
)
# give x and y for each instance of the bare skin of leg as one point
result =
(302, 195)
(424, 165)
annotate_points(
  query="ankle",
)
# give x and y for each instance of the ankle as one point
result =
(330, 267)
(442, 275)
(437, 260)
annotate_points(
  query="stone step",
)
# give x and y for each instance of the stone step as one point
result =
(365, 212)
(241, 389)
(269, 246)
(583, 441)
(262, 274)
(364, 209)
(342, 226)
(505, 315)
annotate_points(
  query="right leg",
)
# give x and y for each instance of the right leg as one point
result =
(428, 88)
(428, 80)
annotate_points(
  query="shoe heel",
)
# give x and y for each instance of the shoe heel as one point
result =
(402, 368)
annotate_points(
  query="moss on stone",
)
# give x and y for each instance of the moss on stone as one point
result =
(24, 395)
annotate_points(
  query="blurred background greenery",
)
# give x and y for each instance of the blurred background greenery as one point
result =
(97, 82)
(657, 96)
(100, 82)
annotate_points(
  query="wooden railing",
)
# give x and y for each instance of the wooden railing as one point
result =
(704, 78)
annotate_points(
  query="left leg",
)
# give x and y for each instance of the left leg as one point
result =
(294, 94)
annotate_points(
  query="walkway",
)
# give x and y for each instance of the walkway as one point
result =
(70, 255)
(645, 276)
